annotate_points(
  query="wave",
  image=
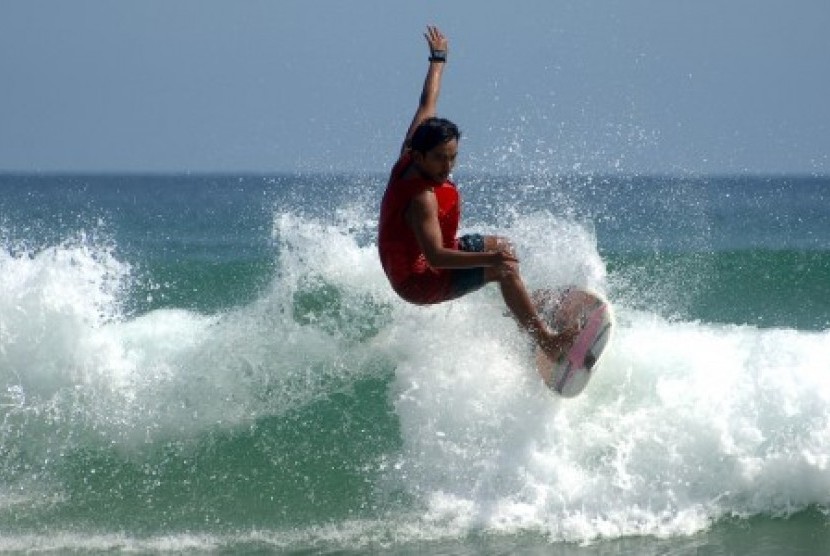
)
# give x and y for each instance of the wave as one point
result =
(326, 399)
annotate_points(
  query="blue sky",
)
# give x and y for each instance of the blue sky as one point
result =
(633, 86)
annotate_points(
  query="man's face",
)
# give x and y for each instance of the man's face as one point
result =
(437, 163)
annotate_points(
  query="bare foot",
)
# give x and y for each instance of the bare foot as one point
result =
(555, 344)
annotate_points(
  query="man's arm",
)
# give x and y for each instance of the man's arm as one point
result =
(432, 84)
(422, 217)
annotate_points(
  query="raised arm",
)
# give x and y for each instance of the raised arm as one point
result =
(432, 84)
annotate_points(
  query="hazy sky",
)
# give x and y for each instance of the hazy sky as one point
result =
(641, 86)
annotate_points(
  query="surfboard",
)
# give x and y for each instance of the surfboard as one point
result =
(593, 317)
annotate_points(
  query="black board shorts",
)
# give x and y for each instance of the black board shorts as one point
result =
(467, 280)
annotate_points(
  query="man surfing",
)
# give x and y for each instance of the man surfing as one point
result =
(419, 217)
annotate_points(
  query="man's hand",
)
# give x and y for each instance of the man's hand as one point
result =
(506, 263)
(436, 40)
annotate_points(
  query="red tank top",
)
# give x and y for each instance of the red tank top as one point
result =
(400, 254)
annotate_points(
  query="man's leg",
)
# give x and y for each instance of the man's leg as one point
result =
(518, 301)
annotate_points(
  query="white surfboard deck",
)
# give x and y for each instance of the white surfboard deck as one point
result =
(563, 308)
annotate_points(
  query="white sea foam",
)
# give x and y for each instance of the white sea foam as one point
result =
(683, 424)
(69, 353)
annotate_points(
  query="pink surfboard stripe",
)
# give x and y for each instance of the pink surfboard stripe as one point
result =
(585, 339)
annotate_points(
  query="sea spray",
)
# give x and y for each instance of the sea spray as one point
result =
(684, 424)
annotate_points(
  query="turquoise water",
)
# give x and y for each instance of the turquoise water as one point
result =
(196, 363)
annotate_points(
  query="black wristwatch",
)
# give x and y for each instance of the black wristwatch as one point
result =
(438, 56)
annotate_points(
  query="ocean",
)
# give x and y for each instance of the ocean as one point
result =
(200, 363)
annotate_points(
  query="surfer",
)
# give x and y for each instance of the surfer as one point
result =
(419, 217)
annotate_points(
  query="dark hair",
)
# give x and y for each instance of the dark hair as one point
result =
(433, 132)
